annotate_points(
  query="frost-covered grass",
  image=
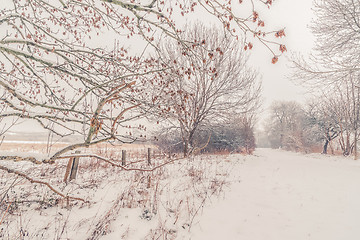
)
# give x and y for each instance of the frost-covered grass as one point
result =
(122, 204)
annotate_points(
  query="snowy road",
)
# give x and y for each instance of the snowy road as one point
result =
(280, 195)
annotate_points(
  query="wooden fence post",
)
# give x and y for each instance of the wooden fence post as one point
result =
(71, 168)
(149, 181)
(74, 167)
(149, 156)
(123, 157)
(68, 168)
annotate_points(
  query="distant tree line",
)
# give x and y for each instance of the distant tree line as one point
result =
(322, 124)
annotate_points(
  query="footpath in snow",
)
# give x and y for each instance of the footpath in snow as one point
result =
(282, 195)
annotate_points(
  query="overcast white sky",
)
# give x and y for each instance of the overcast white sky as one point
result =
(295, 16)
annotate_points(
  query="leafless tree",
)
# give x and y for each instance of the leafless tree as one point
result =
(345, 105)
(333, 69)
(291, 127)
(322, 113)
(284, 121)
(337, 31)
(207, 82)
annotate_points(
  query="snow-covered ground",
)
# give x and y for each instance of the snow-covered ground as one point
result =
(283, 195)
(273, 194)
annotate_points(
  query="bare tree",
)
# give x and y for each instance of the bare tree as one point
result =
(334, 67)
(282, 115)
(345, 104)
(291, 128)
(322, 114)
(337, 31)
(207, 82)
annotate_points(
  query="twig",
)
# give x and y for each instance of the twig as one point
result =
(7, 190)
(7, 209)
(39, 182)
(2, 140)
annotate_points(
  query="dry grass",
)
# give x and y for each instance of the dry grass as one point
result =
(171, 196)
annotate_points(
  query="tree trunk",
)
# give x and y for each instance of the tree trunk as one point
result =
(348, 144)
(325, 147)
(355, 146)
(281, 140)
(186, 148)
(331, 148)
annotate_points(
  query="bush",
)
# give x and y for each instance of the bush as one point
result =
(232, 136)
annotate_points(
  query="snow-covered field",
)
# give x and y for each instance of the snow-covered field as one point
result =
(283, 195)
(271, 195)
